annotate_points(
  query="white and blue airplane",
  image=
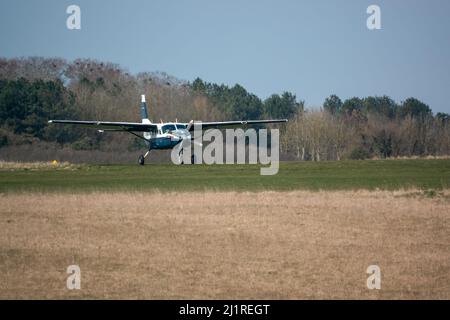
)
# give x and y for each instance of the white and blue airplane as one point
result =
(164, 135)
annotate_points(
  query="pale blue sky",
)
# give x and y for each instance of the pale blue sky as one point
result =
(311, 48)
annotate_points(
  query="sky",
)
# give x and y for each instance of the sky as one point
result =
(311, 48)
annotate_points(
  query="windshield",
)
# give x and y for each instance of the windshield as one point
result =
(181, 126)
(168, 127)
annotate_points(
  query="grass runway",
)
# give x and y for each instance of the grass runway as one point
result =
(335, 175)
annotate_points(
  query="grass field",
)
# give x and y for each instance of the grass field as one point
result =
(225, 245)
(309, 232)
(339, 175)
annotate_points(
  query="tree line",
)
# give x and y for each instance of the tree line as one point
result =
(371, 127)
(33, 90)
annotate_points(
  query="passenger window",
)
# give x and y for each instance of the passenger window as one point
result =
(168, 127)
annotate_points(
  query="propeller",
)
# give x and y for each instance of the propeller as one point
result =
(186, 138)
(189, 126)
(197, 143)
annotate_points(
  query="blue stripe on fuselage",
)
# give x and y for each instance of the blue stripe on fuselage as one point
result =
(163, 143)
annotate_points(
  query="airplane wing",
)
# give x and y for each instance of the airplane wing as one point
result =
(111, 126)
(225, 124)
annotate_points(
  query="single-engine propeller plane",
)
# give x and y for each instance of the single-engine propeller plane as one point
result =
(164, 135)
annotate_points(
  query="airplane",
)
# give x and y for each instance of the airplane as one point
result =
(160, 136)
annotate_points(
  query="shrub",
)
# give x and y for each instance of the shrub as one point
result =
(359, 154)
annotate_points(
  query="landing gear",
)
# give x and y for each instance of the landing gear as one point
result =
(181, 158)
(141, 159)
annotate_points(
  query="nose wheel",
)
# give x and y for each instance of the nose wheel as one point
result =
(141, 159)
(181, 159)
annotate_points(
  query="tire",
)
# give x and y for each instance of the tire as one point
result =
(141, 160)
(180, 158)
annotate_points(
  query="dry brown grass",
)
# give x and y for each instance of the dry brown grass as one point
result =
(268, 245)
(12, 165)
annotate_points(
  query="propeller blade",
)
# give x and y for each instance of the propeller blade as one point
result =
(196, 142)
(189, 126)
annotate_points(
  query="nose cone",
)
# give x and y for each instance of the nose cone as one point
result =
(181, 135)
(184, 134)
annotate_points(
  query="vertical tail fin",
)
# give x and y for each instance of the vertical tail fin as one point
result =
(144, 113)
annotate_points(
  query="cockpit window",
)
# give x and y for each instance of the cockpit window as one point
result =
(181, 126)
(168, 127)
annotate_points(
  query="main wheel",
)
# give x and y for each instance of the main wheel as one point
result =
(180, 157)
(141, 160)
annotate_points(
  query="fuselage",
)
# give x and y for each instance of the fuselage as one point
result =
(168, 135)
